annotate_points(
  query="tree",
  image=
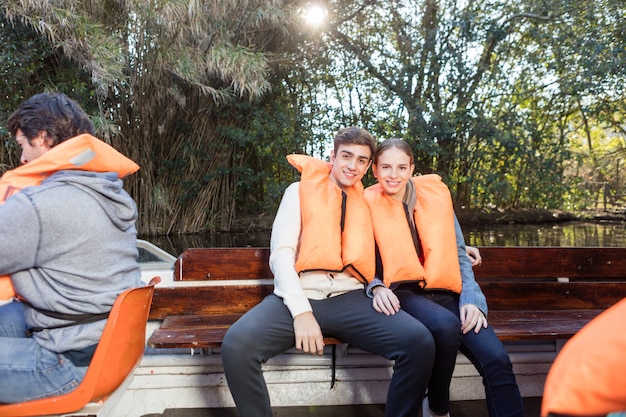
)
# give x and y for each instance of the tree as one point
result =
(169, 78)
(31, 65)
(486, 90)
(208, 96)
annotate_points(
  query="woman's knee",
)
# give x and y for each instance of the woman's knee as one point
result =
(500, 359)
(493, 361)
(446, 332)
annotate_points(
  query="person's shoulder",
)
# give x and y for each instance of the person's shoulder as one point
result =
(62, 185)
(293, 187)
(42, 188)
(291, 195)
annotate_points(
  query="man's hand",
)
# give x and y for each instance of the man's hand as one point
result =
(308, 333)
(472, 318)
(385, 301)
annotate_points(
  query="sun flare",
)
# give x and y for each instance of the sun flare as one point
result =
(314, 15)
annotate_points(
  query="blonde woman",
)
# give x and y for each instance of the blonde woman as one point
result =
(423, 269)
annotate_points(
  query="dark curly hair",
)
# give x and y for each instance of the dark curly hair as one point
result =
(54, 113)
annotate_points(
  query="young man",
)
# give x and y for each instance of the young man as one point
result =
(68, 244)
(322, 254)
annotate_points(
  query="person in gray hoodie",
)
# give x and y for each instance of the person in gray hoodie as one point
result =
(69, 245)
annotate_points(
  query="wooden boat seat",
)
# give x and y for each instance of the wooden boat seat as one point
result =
(533, 293)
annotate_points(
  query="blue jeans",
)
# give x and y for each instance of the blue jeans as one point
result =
(28, 371)
(433, 309)
(483, 349)
(267, 330)
(492, 361)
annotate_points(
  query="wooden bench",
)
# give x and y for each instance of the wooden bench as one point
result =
(538, 293)
(538, 297)
(533, 293)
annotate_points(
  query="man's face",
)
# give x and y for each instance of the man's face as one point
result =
(33, 149)
(349, 165)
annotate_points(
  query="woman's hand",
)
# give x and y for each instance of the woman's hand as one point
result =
(472, 318)
(385, 301)
(474, 255)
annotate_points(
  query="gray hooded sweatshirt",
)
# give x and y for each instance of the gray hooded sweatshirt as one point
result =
(70, 246)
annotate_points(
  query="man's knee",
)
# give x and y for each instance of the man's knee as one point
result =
(235, 344)
(418, 341)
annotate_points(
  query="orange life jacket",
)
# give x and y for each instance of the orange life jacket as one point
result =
(6, 288)
(323, 245)
(588, 377)
(433, 214)
(83, 152)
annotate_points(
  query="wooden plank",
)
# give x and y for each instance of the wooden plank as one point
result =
(199, 322)
(231, 299)
(198, 332)
(517, 263)
(202, 264)
(187, 338)
(552, 295)
(209, 331)
(541, 261)
(527, 316)
(539, 325)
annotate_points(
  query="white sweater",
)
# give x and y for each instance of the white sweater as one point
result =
(294, 289)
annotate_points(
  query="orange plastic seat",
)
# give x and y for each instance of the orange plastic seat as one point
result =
(120, 349)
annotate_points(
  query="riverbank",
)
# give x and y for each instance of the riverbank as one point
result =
(258, 222)
(537, 216)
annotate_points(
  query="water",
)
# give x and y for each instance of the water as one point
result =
(605, 234)
(548, 234)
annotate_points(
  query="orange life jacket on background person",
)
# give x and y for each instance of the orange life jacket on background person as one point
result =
(6, 289)
(83, 152)
(323, 245)
(434, 219)
(588, 376)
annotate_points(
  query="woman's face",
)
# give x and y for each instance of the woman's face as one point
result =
(393, 169)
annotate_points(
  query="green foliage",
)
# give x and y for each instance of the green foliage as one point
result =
(517, 104)
(488, 93)
(169, 77)
(274, 130)
(32, 65)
